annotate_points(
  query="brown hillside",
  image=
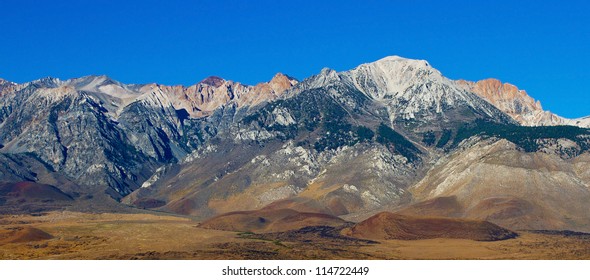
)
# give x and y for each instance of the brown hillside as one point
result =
(269, 220)
(31, 197)
(32, 191)
(387, 225)
(24, 234)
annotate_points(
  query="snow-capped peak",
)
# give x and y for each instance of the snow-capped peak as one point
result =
(399, 59)
(408, 88)
(102, 84)
(392, 75)
(50, 82)
(89, 81)
(395, 61)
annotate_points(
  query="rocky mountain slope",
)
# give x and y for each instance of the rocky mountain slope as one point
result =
(394, 134)
(96, 132)
(518, 104)
(298, 150)
(375, 135)
(493, 180)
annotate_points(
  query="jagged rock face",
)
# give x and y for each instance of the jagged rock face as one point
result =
(412, 89)
(68, 132)
(205, 97)
(12, 170)
(99, 132)
(409, 93)
(517, 103)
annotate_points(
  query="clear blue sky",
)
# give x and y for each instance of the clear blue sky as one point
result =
(540, 46)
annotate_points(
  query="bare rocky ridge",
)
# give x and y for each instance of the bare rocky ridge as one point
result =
(212, 93)
(518, 104)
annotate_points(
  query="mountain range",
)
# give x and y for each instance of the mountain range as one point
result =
(391, 135)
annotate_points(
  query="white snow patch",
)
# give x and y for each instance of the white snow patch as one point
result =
(350, 188)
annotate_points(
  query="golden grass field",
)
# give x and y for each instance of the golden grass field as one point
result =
(73, 235)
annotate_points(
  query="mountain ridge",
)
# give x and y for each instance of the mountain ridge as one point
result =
(505, 96)
(518, 104)
(345, 144)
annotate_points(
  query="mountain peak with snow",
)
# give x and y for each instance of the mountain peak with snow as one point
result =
(47, 82)
(399, 59)
(407, 86)
(409, 90)
(393, 74)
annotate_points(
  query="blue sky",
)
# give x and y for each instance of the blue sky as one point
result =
(540, 46)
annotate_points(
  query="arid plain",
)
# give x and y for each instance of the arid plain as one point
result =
(74, 235)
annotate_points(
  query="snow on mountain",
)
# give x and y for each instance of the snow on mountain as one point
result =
(582, 122)
(409, 89)
(103, 84)
(391, 76)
